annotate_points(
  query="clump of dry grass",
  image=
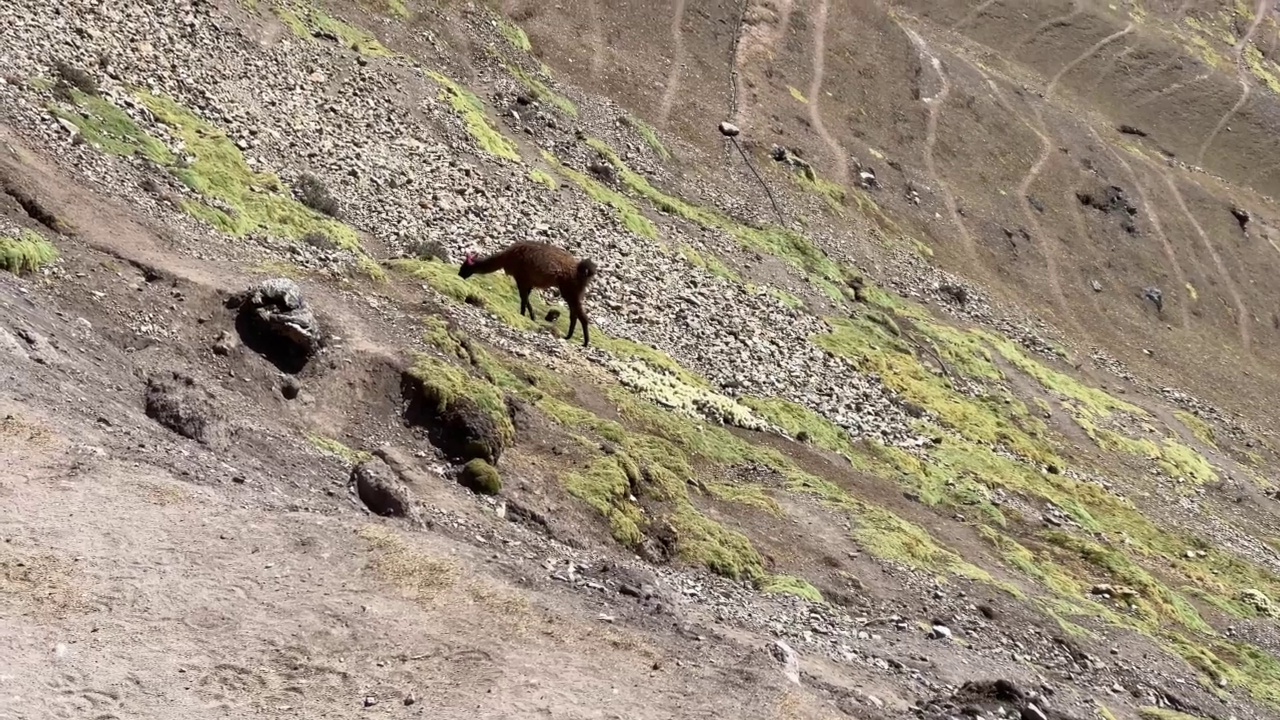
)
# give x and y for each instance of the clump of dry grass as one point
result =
(398, 562)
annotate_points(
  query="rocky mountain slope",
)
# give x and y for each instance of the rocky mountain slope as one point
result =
(944, 389)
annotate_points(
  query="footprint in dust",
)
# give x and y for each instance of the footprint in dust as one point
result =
(232, 679)
(75, 697)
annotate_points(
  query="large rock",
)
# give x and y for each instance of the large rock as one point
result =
(274, 320)
(380, 490)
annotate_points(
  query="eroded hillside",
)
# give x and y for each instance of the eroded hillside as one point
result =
(972, 412)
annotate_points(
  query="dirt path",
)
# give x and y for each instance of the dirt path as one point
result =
(1152, 215)
(934, 104)
(677, 65)
(1242, 310)
(1171, 88)
(974, 13)
(1093, 50)
(756, 41)
(815, 93)
(1261, 10)
(1077, 7)
(597, 38)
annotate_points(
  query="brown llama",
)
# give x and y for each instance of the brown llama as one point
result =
(540, 265)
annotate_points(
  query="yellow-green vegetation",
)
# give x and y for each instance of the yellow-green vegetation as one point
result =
(802, 423)
(480, 477)
(236, 199)
(422, 576)
(110, 129)
(397, 8)
(232, 197)
(649, 135)
(1105, 714)
(1156, 713)
(785, 584)
(473, 115)
(1262, 68)
(672, 392)
(444, 384)
(628, 214)
(542, 177)
(783, 243)
(334, 447)
(1191, 292)
(834, 194)
(306, 21)
(783, 296)
(540, 91)
(797, 95)
(26, 253)
(643, 482)
(514, 34)
(710, 263)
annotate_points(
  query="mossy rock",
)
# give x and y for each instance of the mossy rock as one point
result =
(480, 477)
(464, 416)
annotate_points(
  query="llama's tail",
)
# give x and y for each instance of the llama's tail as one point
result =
(587, 269)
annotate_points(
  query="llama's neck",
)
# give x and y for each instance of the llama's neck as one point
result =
(489, 263)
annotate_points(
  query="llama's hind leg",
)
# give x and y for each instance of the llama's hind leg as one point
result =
(524, 301)
(576, 313)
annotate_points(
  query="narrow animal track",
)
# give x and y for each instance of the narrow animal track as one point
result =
(934, 104)
(1046, 247)
(677, 64)
(1222, 121)
(597, 38)
(1260, 11)
(815, 92)
(1242, 310)
(1077, 7)
(1169, 252)
(1171, 88)
(1093, 50)
(974, 13)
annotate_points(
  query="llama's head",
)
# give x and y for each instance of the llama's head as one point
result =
(468, 265)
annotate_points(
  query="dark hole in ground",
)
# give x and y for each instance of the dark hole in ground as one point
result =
(461, 429)
(288, 355)
(32, 206)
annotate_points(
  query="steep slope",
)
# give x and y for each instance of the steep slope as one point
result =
(850, 430)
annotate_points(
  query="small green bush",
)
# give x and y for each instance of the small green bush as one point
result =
(26, 253)
(480, 477)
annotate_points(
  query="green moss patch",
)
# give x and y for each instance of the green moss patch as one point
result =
(649, 135)
(467, 416)
(480, 477)
(26, 253)
(308, 21)
(539, 90)
(471, 110)
(110, 129)
(336, 448)
(542, 177)
(786, 244)
(628, 214)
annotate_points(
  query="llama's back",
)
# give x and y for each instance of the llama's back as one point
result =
(541, 264)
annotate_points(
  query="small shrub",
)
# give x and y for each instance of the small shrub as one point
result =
(428, 250)
(313, 193)
(480, 477)
(320, 241)
(70, 77)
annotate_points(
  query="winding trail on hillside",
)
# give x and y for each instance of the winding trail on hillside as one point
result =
(974, 13)
(934, 104)
(1077, 7)
(597, 38)
(1242, 310)
(677, 65)
(1024, 192)
(815, 92)
(1169, 252)
(1260, 11)
(1093, 50)
(1173, 87)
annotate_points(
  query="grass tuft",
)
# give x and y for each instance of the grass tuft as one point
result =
(471, 110)
(26, 253)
